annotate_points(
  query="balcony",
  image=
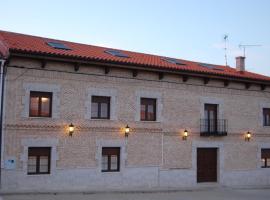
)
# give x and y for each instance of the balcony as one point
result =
(213, 127)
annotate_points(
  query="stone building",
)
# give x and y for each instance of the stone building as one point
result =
(77, 117)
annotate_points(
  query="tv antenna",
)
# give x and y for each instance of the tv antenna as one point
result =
(244, 46)
(225, 38)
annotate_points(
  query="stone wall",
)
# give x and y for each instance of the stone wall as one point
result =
(154, 154)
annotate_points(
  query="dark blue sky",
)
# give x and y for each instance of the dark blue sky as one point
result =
(191, 29)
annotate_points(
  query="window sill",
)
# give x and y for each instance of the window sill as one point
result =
(110, 172)
(39, 117)
(102, 120)
(37, 175)
(149, 121)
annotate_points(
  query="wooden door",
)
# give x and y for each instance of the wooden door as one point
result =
(207, 165)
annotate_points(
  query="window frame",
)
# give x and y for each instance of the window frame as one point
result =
(148, 100)
(40, 94)
(266, 158)
(38, 154)
(108, 101)
(109, 151)
(266, 111)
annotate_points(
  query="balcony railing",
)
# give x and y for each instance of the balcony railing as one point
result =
(214, 127)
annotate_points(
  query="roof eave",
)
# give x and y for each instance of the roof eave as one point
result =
(92, 61)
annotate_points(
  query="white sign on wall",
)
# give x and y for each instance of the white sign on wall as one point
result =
(10, 163)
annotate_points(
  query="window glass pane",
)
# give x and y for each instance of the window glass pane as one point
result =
(150, 108)
(104, 110)
(32, 169)
(206, 114)
(32, 160)
(267, 162)
(44, 160)
(150, 113)
(45, 106)
(34, 106)
(263, 162)
(266, 116)
(105, 160)
(267, 120)
(43, 169)
(94, 110)
(114, 162)
(143, 114)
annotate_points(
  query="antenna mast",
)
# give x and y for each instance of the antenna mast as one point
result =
(244, 46)
(225, 38)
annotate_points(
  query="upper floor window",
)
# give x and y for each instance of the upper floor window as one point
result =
(266, 116)
(40, 104)
(265, 158)
(148, 109)
(210, 120)
(39, 160)
(100, 107)
(110, 159)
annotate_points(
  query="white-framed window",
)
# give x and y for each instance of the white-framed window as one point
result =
(39, 156)
(211, 101)
(265, 157)
(148, 106)
(111, 155)
(110, 161)
(264, 117)
(100, 107)
(39, 159)
(101, 104)
(50, 91)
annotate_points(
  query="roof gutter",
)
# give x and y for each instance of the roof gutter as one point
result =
(142, 67)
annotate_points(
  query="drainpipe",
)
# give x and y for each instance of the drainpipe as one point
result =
(2, 82)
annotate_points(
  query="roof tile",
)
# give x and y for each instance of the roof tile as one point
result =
(33, 44)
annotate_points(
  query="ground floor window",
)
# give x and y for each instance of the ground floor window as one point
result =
(39, 160)
(110, 159)
(265, 158)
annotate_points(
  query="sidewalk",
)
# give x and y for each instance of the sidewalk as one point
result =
(206, 194)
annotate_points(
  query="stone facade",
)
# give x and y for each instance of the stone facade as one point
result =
(154, 155)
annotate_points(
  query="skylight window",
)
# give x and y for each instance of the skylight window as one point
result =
(173, 61)
(209, 66)
(58, 45)
(116, 53)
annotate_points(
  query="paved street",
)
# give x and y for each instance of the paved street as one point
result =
(205, 194)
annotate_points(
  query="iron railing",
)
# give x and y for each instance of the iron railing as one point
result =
(213, 127)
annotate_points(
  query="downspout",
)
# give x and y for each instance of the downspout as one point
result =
(2, 81)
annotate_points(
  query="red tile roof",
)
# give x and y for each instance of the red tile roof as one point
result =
(10, 42)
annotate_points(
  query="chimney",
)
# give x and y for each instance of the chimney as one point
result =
(240, 63)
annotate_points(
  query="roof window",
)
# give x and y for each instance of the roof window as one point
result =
(58, 45)
(209, 66)
(116, 53)
(173, 61)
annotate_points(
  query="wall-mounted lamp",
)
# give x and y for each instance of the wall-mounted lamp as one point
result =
(247, 136)
(71, 129)
(127, 129)
(185, 135)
